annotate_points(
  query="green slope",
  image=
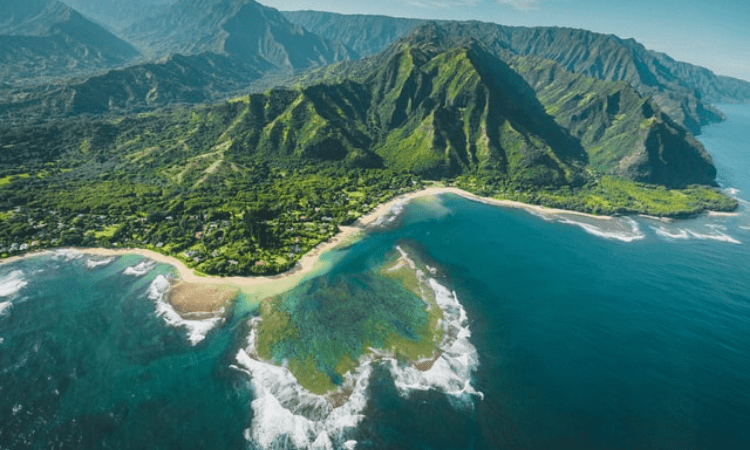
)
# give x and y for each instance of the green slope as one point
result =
(249, 185)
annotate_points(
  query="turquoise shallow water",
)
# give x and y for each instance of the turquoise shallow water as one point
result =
(590, 334)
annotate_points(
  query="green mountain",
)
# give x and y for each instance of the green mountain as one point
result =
(249, 185)
(367, 35)
(119, 14)
(682, 90)
(522, 112)
(45, 39)
(240, 29)
(174, 80)
(212, 50)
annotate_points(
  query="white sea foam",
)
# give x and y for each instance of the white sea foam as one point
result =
(5, 306)
(67, 255)
(716, 236)
(546, 216)
(391, 215)
(197, 329)
(11, 284)
(634, 234)
(141, 269)
(286, 415)
(451, 373)
(732, 191)
(670, 234)
(93, 263)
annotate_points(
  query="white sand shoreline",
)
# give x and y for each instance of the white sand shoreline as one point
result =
(307, 263)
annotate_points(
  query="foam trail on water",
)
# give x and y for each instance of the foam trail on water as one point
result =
(732, 191)
(12, 283)
(67, 255)
(666, 233)
(5, 306)
(718, 236)
(197, 329)
(141, 269)
(634, 234)
(286, 415)
(392, 214)
(451, 373)
(93, 263)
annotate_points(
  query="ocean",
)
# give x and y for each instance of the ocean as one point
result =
(580, 333)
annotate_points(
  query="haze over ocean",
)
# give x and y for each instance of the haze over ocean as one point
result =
(629, 333)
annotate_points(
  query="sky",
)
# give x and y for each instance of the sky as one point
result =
(711, 33)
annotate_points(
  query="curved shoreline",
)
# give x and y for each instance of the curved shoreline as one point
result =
(309, 261)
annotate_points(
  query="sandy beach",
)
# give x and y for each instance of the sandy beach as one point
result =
(193, 293)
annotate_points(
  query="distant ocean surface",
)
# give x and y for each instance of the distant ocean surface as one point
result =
(590, 334)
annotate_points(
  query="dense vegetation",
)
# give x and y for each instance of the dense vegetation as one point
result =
(248, 186)
(683, 90)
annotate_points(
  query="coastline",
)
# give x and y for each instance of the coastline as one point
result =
(307, 264)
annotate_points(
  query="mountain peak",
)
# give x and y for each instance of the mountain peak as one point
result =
(41, 38)
(32, 17)
(242, 29)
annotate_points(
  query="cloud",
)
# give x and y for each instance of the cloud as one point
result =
(521, 5)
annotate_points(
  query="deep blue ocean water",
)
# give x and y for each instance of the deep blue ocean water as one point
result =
(630, 333)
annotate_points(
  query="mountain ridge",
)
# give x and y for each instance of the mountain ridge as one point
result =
(572, 109)
(241, 29)
(683, 90)
(45, 38)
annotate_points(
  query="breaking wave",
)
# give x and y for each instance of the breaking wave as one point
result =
(67, 255)
(451, 373)
(93, 263)
(12, 284)
(197, 329)
(140, 269)
(286, 415)
(634, 232)
(671, 234)
(732, 191)
(391, 215)
(717, 233)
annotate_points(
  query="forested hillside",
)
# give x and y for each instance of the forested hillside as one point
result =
(684, 91)
(249, 185)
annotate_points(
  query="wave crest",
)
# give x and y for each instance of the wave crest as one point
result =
(93, 263)
(140, 269)
(286, 415)
(197, 329)
(624, 235)
(12, 284)
(717, 234)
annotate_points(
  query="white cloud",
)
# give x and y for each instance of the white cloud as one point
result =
(521, 5)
